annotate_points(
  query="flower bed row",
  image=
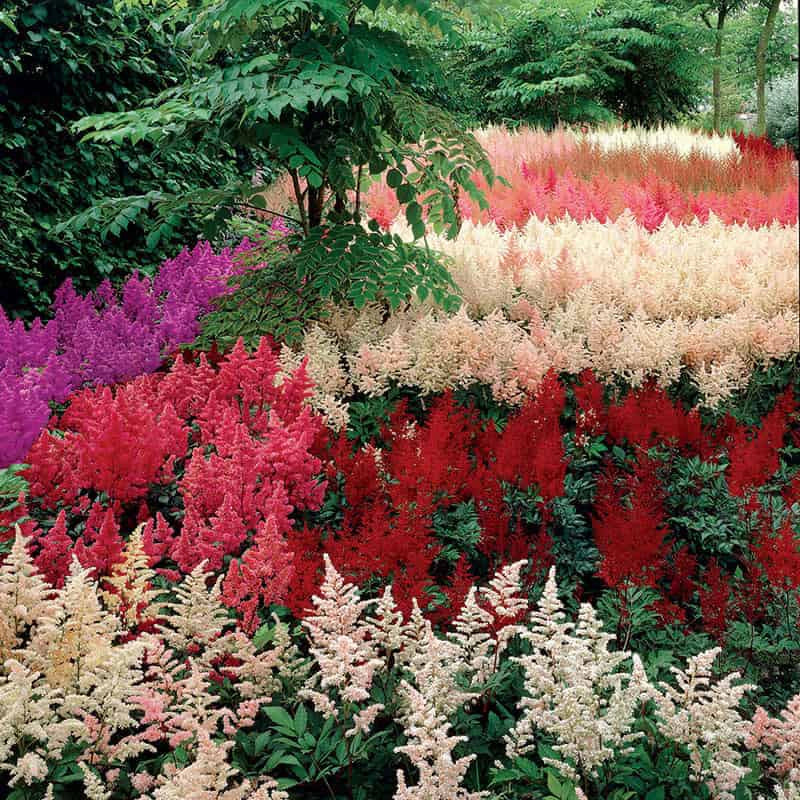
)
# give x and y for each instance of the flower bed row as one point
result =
(238, 473)
(551, 176)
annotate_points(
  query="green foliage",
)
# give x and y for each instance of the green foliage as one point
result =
(59, 62)
(586, 61)
(304, 274)
(326, 94)
(782, 120)
(741, 39)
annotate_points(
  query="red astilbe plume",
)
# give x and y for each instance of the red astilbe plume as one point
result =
(715, 600)
(55, 552)
(100, 548)
(647, 417)
(125, 440)
(753, 454)
(531, 449)
(684, 567)
(591, 417)
(432, 460)
(629, 527)
(263, 575)
(116, 441)
(778, 557)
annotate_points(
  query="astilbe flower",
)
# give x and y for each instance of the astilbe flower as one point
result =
(263, 576)
(715, 600)
(210, 776)
(104, 337)
(703, 715)
(575, 691)
(249, 459)
(488, 621)
(23, 596)
(130, 593)
(339, 643)
(753, 454)
(430, 750)
(778, 557)
(629, 527)
(778, 739)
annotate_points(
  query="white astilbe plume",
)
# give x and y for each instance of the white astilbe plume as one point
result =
(131, 580)
(485, 624)
(703, 714)
(93, 786)
(435, 664)
(260, 674)
(430, 751)
(197, 617)
(385, 624)
(341, 646)
(75, 648)
(23, 596)
(575, 691)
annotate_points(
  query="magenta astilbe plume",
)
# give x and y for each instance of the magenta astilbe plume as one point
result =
(103, 337)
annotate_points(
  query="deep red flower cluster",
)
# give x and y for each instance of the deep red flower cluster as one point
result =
(392, 494)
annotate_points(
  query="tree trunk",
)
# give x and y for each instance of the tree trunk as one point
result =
(316, 201)
(717, 72)
(761, 67)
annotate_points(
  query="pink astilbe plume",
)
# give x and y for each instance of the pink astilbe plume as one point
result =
(262, 576)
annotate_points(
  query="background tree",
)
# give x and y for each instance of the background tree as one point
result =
(586, 61)
(721, 9)
(772, 9)
(331, 98)
(60, 61)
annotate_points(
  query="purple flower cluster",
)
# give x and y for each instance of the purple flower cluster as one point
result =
(102, 338)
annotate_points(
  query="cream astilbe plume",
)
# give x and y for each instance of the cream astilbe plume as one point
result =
(436, 665)
(574, 689)
(703, 714)
(29, 715)
(430, 751)
(23, 596)
(671, 138)
(197, 617)
(93, 786)
(131, 581)
(385, 624)
(260, 674)
(321, 354)
(341, 646)
(74, 646)
(211, 777)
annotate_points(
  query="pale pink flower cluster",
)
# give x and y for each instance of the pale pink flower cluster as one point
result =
(780, 737)
(710, 300)
(345, 655)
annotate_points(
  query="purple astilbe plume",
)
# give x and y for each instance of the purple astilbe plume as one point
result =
(104, 337)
